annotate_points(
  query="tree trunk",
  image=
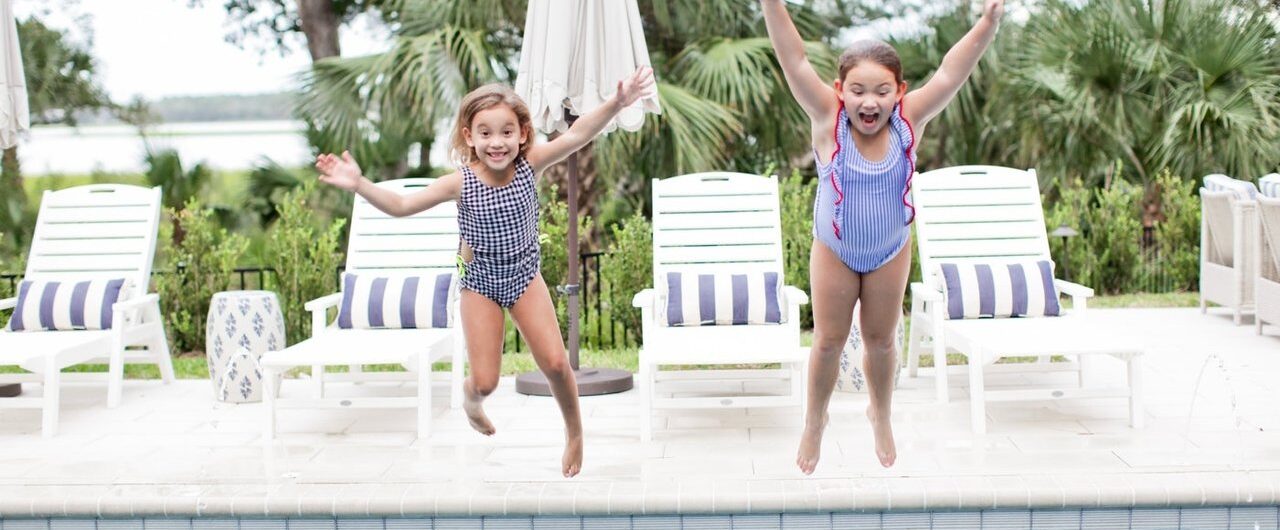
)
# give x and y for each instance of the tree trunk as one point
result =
(320, 24)
(424, 155)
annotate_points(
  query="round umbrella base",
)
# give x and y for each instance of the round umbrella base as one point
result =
(591, 382)
(10, 390)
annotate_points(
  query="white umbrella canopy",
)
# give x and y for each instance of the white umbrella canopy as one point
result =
(574, 54)
(14, 115)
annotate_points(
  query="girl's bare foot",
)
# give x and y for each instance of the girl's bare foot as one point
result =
(475, 413)
(811, 445)
(571, 462)
(885, 449)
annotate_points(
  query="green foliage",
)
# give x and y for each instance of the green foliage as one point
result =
(193, 269)
(59, 74)
(305, 254)
(178, 186)
(627, 270)
(1106, 255)
(796, 197)
(1176, 254)
(553, 234)
(1188, 85)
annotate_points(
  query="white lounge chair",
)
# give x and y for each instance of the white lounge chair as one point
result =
(1228, 208)
(98, 232)
(419, 245)
(717, 223)
(1267, 283)
(993, 215)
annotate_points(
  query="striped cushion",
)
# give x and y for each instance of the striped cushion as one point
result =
(692, 299)
(1270, 185)
(397, 302)
(997, 290)
(1242, 188)
(65, 306)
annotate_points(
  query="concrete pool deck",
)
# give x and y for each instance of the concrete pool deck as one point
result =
(168, 450)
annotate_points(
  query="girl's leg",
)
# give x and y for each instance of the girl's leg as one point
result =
(835, 289)
(535, 317)
(482, 323)
(882, 293)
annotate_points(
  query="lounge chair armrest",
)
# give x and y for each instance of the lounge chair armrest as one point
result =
(926, 293)
(643, 299)
(135, 303)
(9, 303)
(1072, 289)
(324, 302)
(795, 295)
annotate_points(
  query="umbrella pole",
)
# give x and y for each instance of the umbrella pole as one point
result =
(591, 381)
(571, 287)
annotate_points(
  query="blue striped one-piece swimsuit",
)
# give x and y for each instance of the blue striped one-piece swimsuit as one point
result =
(861, 211)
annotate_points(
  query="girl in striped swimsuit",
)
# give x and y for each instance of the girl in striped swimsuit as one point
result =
(498, 219)
(864, 137)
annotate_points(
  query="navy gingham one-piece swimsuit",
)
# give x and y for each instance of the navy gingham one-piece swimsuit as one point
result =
(501, 227)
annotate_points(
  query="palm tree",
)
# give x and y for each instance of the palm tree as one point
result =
(725, 105)
(1188, 85)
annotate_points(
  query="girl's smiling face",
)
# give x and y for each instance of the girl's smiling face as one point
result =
(869, 92)
(496, 136)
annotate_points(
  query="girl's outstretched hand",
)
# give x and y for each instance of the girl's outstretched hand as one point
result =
(637, 85)
(993, 10)
(341, 172)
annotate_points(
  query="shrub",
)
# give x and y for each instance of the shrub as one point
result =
(796, 203)
(1175, 258)
(192, 271)
(553, 237)
(305, 254)
(628, 270)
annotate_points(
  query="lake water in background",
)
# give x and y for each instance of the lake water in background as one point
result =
(119, 148)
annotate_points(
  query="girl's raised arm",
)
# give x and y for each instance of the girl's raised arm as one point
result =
(929, 100)
(816, 97)
(637, 85)
(345, 173)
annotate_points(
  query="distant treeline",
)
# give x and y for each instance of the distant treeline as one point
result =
(231, 107)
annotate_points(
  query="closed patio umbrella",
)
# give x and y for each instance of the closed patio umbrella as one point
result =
(573, 55)
(14, 118)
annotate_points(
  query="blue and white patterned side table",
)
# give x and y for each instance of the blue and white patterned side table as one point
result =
(242, 326)
(851, 378)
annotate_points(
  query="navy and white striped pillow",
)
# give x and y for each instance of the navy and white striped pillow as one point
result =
(722, 299)
(397, 302)
(1269, 185)
(65, 306)
(998, 290)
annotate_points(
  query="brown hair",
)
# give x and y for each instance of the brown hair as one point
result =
(874, 51)
(484, 98)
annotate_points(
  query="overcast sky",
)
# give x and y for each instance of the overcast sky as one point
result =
(159, 48)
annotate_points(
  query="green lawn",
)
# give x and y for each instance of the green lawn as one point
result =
(195, 367)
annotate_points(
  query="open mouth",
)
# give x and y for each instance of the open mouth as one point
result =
(497, 157)
(868, 119)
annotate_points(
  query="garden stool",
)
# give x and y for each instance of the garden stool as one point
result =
(242, 326)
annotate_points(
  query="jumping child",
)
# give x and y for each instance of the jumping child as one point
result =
(495, 189)
(864, 128)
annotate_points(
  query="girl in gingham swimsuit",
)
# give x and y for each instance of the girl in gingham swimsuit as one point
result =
(864, 142)
(498, 219)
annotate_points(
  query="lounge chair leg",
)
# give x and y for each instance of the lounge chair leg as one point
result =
(977, 397)
(940, 367)
(115, 374)
(160, 349)
(269, 402)
(424, 396)
(1136, 410)
(456, 376)
(52, 390)
(915, 338)
(646, 402)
